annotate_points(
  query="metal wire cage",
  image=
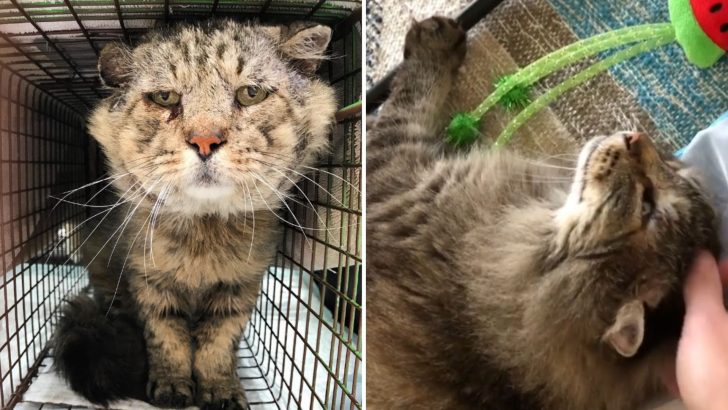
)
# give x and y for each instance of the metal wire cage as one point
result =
(302, 347)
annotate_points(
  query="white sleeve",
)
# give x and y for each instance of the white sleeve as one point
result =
(708, 152)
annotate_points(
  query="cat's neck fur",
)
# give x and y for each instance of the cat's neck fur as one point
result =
(548, 363)
(212, 248)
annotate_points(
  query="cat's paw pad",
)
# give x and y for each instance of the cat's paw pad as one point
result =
(436, 38)
(171, 392)
(222, 396)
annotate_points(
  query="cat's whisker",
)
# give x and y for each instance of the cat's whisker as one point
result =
(341, 179)
(541, 179)
(314, 169)
(123, 265)
(545, 177)
(109, 177)
(93, 183)
(568, 155)
(61, 200)
(128, 252)
(252, 208)
(122, 226)
(278, 216)
(71, 192)
(87, 204)
(158, 207)
(162, 202)
(124, 223)
(79, 226)
(107, 212)
(146, 233)
(146, 236)
(139, 167)
(274, 166)
(549, 165)
(306, 206)
(313, 208)
(535, 178)
(74, 230)
(245, 216)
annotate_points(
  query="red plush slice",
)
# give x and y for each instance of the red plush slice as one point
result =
(712, 15)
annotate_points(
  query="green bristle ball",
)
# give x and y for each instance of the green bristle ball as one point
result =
(463, 130)
(518, 97)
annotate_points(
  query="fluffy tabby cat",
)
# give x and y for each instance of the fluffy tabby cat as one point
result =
(207, 125)
(495, 282)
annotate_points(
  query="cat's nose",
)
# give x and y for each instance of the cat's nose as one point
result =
(206, 143)
(632, 139)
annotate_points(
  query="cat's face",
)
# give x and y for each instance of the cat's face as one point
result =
(216, 118)
(628, 232)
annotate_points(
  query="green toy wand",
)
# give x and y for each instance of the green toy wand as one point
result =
(699, 26)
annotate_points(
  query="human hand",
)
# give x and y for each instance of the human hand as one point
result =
(701, 366)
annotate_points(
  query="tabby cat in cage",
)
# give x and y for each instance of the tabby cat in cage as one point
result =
(207, 128)
(498, 282)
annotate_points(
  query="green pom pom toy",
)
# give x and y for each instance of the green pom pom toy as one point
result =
(518, 97)
(463, 130)
(698, 26)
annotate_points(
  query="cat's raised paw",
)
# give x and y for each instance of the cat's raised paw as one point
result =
(223, 396)
(436, 39)
(171, 392)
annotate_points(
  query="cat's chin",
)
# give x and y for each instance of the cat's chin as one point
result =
(209, 192)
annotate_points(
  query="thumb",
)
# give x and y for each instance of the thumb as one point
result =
(703, 290)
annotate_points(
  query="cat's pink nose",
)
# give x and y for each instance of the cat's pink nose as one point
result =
(631, 139)
(206, 144)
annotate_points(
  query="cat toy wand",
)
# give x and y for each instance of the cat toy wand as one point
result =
(469, 17)
(700, 27)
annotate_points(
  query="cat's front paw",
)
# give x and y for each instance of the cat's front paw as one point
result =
(170, 392)
(226, 395)
(436, 39)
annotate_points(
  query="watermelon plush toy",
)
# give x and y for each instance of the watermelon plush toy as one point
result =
(700, 27)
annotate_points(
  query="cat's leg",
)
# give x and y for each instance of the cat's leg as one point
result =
(169, 348)
(217, 336)
(407, 135)
(415, 111)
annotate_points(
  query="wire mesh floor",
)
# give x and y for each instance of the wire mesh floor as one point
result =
(287, 373)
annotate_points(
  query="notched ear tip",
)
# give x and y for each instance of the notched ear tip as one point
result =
(307, 47)
(627, 333)
(320, 36)
(114, 64)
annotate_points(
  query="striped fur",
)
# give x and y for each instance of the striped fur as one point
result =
(195, 237)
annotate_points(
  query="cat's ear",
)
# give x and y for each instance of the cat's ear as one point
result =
(626, 334)
(115, 64)
(307, 47)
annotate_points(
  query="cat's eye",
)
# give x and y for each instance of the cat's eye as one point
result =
(250, 95)
(648, 202)
(166, 98)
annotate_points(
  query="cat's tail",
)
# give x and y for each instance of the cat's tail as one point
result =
(102, 358)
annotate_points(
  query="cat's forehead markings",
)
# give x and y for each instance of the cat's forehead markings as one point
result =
(185, 52)
(221, 48)
(241, 63)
